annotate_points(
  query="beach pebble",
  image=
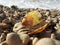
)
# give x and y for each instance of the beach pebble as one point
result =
(54, 20)
(13, 39)
(56, 38)
(34, 41)
(48, 19)
(25, 38)
(58, 17)
(2, 37)
(45, 41)
(57, 27)
(2, 16)
(3, 43)
(47, 13)
(2, 25)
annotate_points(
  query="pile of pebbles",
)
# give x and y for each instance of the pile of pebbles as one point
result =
(11, 16)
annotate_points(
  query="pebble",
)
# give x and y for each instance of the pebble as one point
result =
(34, 41)
(13, 39)
(54, 20)
(45, 41)
(2, 16)
(24, 37)
(3, 43)
(47, 13)
(57, 27)
(2, 37)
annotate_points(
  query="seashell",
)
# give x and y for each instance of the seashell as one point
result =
(31, 19)
(28, 22)
(40, 29)
(13, 39)
(17, 27)
(24, 31)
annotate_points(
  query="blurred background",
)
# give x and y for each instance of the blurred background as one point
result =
(50, 4)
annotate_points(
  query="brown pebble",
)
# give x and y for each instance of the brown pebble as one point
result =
(13, 39)
(3, 43)
(25, 38)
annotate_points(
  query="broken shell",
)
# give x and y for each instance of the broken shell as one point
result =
(32, 18)
(24, 31)
(13, 39)
(17, 27)
(45, 41)
(40, 29)
(29, 22)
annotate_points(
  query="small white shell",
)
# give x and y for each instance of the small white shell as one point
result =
(17, 27)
